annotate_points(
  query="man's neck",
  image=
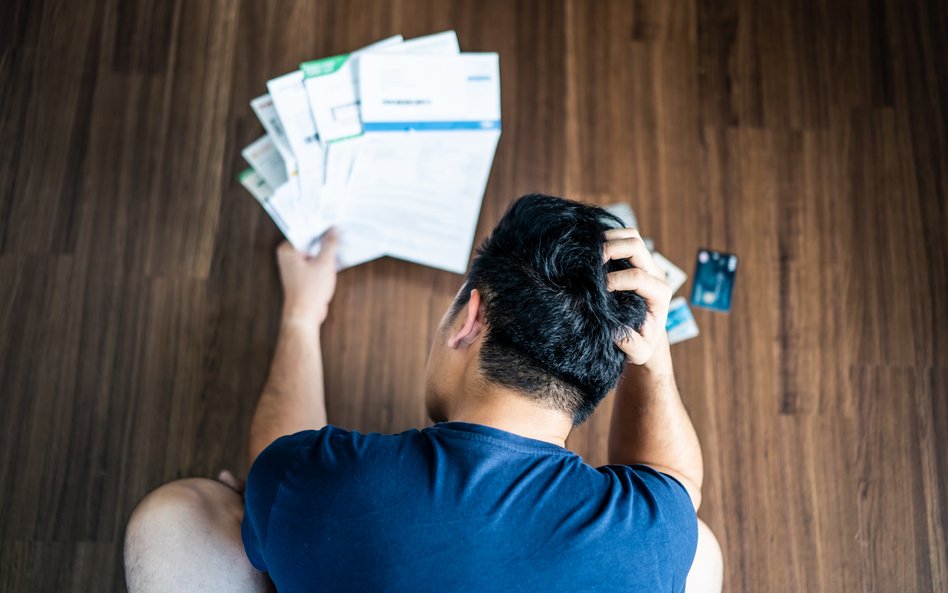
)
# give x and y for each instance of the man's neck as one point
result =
(507, 410)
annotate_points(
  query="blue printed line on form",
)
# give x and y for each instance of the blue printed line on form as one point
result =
(429, 126)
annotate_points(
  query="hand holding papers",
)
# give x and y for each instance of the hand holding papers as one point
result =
(393, 144)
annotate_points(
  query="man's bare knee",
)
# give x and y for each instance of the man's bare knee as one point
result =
(185, 533)
(183, 500)
(707, 571)
(163, 517)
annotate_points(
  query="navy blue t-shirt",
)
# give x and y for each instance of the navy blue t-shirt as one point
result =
(460, 507)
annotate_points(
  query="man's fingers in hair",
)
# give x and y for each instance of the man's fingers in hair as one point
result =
(626, 233)
(610, 251)
(632, 249)
(652, 328)
(636, 348)
(641, 282)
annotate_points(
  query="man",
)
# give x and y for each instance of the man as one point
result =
(559, 302)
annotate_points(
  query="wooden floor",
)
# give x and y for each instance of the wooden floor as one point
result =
(139, 300)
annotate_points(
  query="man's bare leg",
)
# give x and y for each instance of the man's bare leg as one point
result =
(707, 571)
(185, 536)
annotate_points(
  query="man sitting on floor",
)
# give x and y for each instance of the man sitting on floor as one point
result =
(560, 303)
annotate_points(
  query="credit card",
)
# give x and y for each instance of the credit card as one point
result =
(714, 280)
(681, 324)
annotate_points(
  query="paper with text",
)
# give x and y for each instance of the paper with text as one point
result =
(431, 128)
(266, 112)
(265, 159)
(289, 98)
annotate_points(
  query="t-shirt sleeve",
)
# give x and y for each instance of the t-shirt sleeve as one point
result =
(664, 504)
(263, 483)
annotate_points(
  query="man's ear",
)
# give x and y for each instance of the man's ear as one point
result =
(473, 324)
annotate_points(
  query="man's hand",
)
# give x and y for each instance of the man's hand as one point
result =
(308, 282)
(646, 279)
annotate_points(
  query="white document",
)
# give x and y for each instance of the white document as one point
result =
(340, 159)
(357, 246)
(289, 98)
(255, 184)
(445, 42)
(409, 183)
(265, 159)
(674, 276)
(270, 120)
(431, 128)
(426, 93)
(332, 88)
(304, 226)
(625, 214)
(358, 243)
(331, 85)
(263, 192)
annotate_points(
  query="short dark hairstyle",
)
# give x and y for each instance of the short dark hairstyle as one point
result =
(551, 322)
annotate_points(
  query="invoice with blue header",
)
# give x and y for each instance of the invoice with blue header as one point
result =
(431, 125)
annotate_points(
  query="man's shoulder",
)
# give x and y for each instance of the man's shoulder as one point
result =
(332, 457)
(650, 497)
(334, 436)
(334, 446)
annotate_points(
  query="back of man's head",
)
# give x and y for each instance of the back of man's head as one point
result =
(551, 322)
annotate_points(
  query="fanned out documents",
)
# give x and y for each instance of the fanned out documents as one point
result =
(391, 144)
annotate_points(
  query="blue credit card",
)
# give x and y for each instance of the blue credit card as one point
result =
(681, 324)
(714, 280)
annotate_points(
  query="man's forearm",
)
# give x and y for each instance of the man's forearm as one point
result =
(293, 397)
(651, 426)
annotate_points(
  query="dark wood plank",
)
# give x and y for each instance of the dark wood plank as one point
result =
(59, 566)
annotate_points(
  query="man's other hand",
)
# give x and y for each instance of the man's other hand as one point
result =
(646, 279)
(308, 282)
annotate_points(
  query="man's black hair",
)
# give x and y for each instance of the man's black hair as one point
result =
(551, 322)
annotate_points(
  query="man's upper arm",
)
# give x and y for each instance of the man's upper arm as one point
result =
(263, 484)
(667, 505)
(694, 492)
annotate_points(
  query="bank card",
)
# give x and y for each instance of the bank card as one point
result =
(681, 324)
(714, 280)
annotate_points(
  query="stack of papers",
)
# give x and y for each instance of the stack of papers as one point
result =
(391, 144)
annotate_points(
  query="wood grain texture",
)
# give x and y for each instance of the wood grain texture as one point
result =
(139, 299)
